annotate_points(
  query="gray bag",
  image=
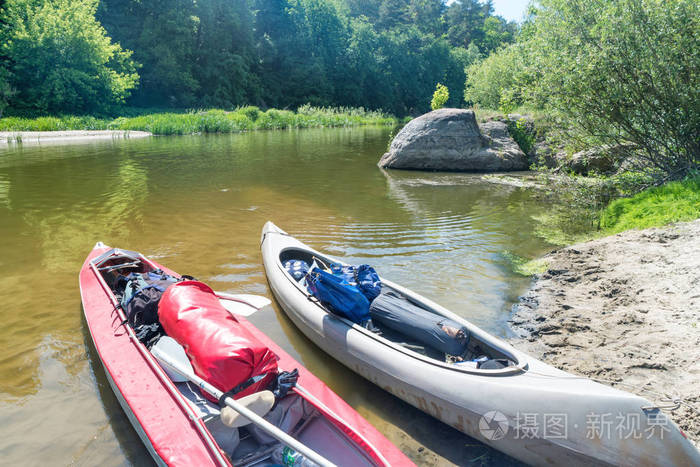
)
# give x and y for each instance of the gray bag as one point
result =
(397, 313)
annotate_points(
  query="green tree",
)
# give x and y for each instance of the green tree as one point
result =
(624, 71)
(282, 53)
(393, 13)
(427, 15)
(440, 96)
(6, 90)
(455, 72)
(496, 32)
(500, 78)
(300, 45)
(274, 34)
(367, 8)
(163, 36)
(224, 54)
(464, 20)
(61, 58)
(369, 85)
(414, 63)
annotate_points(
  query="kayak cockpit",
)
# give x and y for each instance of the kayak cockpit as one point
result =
(117, 262)
(249, 445)
(408, 322)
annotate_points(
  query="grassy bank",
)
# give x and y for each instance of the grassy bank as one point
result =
(208, 121)
(576, 217)
(590, 207)
(655, 207)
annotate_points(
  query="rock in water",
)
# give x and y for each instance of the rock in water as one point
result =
(451, 140)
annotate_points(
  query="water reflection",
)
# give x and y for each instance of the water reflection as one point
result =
(64, 229)
(4, 192)
(116, 437)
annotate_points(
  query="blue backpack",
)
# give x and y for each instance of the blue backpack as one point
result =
(368, 281)
(338, 296)
(142, 293)
(364, 277)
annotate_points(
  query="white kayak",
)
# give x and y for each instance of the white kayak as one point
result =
(527, 409)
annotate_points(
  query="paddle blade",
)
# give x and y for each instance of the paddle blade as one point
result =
(167, 349)
(259, 403)
(243, 304)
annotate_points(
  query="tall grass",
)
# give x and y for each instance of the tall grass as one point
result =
(673, 202)
(209, 121)
(52, 123)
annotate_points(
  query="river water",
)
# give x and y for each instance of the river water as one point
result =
(197, 205)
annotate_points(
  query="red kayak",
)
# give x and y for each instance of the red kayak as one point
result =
(177, 419)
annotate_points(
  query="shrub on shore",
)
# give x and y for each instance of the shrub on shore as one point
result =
(208, 121)
(440, 96)
(608, 72)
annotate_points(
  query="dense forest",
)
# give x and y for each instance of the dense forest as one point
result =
(90, 56)
(622, 73)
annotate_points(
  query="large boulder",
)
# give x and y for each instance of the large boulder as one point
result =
(605, 159)
(451, 140)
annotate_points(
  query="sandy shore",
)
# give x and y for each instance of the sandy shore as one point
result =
(10, 137)
(625, 310)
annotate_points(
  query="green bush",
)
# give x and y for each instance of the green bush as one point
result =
(250, 111)
(607, 72)
(497, 81)
(440, 96)
(62, 59)
(524, 136)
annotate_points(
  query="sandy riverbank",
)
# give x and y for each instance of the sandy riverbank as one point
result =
(10, 137)
(624, 309)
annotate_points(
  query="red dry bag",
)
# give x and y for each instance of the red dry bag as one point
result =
(222, 352)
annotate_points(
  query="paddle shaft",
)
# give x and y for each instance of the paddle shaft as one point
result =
(266, 426)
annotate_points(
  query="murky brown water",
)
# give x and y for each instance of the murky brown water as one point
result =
(197, 204)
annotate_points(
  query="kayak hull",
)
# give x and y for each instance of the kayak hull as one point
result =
(492, 408)
(162, 417)
(133, 420)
